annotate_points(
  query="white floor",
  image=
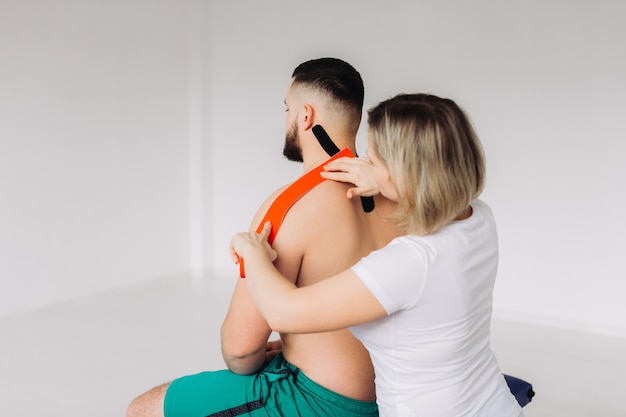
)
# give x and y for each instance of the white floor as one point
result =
(92, 356)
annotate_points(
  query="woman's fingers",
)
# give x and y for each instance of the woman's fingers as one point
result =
(345, 169)
(357, 171)
(267, 229)
(340, 176)
(345, 164)
(242, 243)
(235, 247)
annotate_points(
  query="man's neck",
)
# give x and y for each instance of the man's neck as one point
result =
(316, 155)
(312, 162)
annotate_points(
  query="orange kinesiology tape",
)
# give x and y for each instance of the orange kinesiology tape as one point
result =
(281, 205)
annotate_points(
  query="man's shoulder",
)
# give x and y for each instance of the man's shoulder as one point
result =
(322, 210)
(265, 206)
(319, 195)
(326, 203)
(329, 195)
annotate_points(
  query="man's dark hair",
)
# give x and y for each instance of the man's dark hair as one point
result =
(334, 77)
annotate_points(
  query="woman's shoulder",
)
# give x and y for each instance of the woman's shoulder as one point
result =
(409, 248)
(482, 207)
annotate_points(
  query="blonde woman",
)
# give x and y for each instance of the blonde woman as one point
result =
(422, 304)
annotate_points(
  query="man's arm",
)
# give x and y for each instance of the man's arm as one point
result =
(245, 333)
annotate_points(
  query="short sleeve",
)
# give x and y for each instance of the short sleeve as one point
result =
(395, 274)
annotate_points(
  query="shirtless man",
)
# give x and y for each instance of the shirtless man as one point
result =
(323, 233)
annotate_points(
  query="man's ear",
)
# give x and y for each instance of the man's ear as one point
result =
(308, 117)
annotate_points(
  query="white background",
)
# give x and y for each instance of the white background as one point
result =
(137, 136)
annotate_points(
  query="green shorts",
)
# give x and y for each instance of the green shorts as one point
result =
(279, 390)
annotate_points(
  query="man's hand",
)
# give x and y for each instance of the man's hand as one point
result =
(273, 348)
(357, 171)
(247, 243)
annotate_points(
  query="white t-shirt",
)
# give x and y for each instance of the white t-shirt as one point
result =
(431, 352)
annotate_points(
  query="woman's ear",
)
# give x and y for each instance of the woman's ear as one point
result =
(307, 117)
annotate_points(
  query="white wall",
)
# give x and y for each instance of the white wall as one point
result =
(543, 81)
(137, 136)
(93, 147)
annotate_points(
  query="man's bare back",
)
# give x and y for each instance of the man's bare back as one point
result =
(322, 234)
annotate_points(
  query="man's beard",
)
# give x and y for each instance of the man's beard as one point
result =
(292, 150)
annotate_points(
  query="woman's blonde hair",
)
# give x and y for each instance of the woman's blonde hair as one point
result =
(433, 156)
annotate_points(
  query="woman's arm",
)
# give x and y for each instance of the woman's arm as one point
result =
(334, 303)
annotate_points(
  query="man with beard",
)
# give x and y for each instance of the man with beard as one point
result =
(322, 233)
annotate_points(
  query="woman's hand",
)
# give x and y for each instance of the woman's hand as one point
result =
(245, 244)
(357, 171)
